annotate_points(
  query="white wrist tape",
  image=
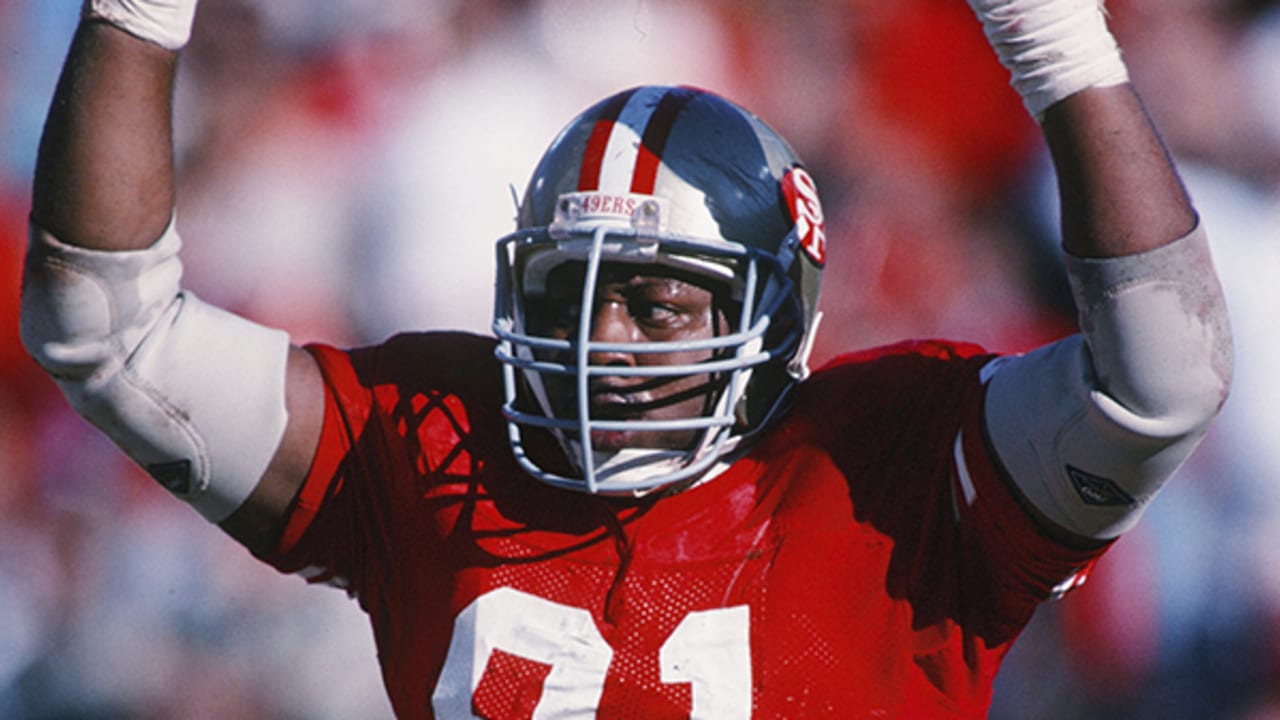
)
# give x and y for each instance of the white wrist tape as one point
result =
(193, 394)
(166, 23)
(1052, 48)
(1091, 427)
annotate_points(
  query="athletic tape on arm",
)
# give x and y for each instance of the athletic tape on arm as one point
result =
(1091, 427)
(192, 393)
(1051, 48)
(166, 23)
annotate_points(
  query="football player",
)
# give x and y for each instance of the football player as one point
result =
(636, 500)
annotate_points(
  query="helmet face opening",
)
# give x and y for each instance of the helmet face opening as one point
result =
(637, 323)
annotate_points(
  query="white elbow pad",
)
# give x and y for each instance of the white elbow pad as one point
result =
(192, 393)
(1090, 427)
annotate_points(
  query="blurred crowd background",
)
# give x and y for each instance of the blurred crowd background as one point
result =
(345, 166)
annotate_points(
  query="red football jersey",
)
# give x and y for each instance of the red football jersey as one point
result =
(862, 560)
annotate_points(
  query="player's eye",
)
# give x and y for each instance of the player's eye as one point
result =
(658, 314)
(565, 313)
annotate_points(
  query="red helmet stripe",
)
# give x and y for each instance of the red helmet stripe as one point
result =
(593, 155)
(654, 140)
(624, 149)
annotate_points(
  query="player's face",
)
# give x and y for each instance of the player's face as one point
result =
(635, 304)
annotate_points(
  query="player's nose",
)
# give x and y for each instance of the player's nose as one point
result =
(612, 323)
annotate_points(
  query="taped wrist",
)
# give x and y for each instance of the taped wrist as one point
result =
(195, 395)
(1052, 48)
(166, 23)
(1091, 427)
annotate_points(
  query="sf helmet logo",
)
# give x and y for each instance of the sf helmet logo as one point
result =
(801, 193)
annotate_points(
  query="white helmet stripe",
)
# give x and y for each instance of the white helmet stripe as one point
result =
(622, 146)
(620, 154)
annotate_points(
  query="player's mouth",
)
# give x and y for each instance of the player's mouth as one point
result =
(611, 440)
(616, 402)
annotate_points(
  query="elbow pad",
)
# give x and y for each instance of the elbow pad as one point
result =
(193, 394)
(1090, 427)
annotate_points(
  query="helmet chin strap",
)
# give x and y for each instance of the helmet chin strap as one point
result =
(621, 473)
(631, 471)
(617, 472)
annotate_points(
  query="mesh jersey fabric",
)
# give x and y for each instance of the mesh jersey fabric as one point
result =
(856, 563)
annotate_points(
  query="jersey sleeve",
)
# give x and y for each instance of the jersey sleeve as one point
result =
(400, 417)
(920, 469)
(310, 544)
(1029, 563)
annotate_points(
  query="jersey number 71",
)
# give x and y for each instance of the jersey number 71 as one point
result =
(709, 649)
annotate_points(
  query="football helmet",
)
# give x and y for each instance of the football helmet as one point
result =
(684, 180)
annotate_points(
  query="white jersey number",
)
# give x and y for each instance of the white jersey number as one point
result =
(709, 649)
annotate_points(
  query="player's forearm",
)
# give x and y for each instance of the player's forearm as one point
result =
(104, 175)
(1120, 192)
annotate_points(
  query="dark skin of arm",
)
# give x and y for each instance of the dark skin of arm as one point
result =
(105, 180)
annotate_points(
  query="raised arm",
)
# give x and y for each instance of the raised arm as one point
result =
(222, 412)
(1119, 191)
(1091, 427)
(104, 174)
